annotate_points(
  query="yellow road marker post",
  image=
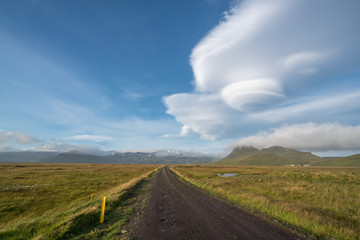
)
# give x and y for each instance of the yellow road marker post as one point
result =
(102, 210)
(91, 198)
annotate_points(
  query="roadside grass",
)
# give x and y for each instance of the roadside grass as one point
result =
(324, 202)
(47, 201)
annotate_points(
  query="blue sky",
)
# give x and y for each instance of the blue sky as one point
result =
(200, 75)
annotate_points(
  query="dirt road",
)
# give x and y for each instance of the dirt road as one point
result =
(176, 210)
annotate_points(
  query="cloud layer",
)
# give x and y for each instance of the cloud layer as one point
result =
(273, 62)
(308, 136)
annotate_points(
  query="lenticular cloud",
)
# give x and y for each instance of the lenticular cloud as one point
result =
(252, 95)
(221, 57)
(271, 55)
(221, 61)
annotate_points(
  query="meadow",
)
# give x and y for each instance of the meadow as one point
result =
(320, 201)
(52, 201)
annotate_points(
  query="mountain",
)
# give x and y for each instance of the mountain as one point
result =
(241, 153)
(272, 156)
(159, 157)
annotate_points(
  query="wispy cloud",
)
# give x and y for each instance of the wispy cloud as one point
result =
(44, 87)
(132, 95)
(64, 147)
(92, 138)
(339, 106)
(305, 58)
(134, 126)
(12, 141)
(17, 137)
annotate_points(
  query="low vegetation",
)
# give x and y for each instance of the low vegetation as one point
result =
(324, 202)
(47, 201)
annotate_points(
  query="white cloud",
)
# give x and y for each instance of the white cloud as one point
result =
(17, 137)
(208, 116)
(269, 62)
(308, 136)
(204, 114)
(217, 59)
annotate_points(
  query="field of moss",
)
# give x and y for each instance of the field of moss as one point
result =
(322, 201)
(48, 201)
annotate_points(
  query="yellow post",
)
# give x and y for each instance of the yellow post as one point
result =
(91, 198)
(102, 210)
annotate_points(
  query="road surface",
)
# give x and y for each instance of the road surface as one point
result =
(176, 210)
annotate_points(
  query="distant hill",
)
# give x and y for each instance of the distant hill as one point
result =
(350, 161)
(26, 156)
(272, 156)
(73, 158)
(160, 157)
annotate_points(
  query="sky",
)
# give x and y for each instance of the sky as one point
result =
(193, 75)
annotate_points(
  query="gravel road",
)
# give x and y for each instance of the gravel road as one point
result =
(176, 210)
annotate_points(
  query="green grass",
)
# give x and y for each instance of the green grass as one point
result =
(324, 202)
(47, 201)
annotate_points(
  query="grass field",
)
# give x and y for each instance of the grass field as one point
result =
(47, 201)
(324, 202)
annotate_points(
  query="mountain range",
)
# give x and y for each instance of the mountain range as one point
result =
(243, 155)
(157, 157)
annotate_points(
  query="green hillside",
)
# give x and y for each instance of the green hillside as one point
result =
(350, 161)
(242, 152)
(263, 160)
(272, 156)
(239, 154)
